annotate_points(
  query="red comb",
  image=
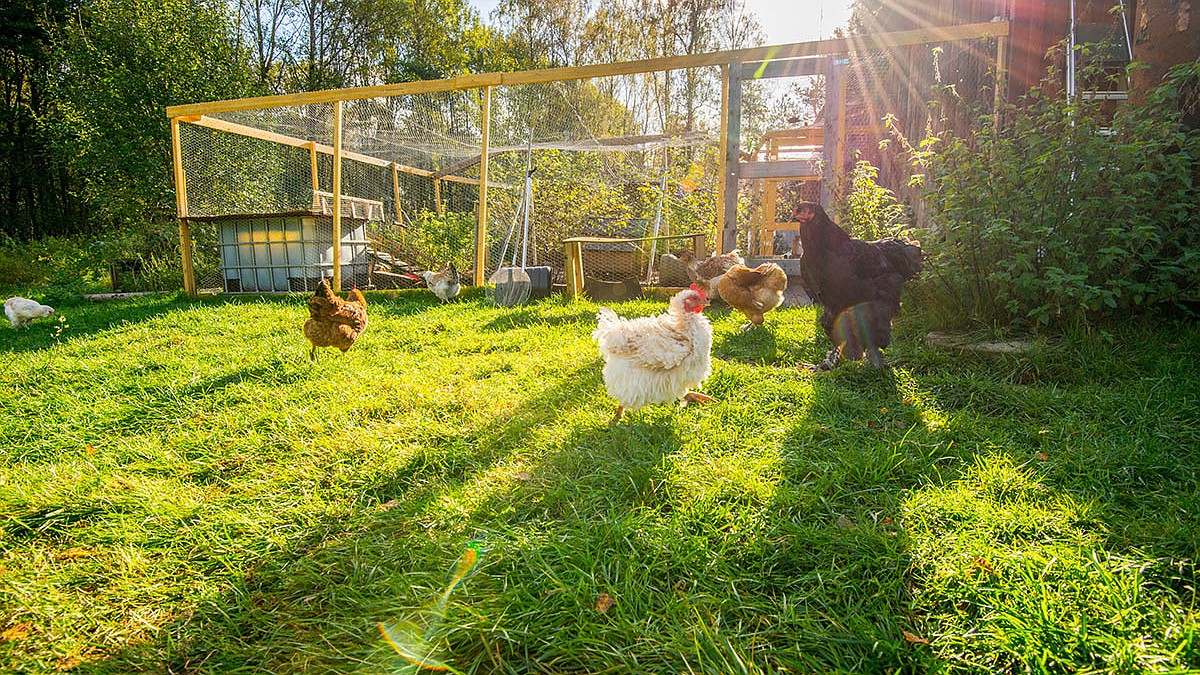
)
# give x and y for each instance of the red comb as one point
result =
(699, 290)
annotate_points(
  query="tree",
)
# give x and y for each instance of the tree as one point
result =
(35, 185)
(121, 63)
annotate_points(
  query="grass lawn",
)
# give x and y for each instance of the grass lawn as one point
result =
(182, 491)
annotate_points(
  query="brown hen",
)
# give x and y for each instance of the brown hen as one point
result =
(334, 322)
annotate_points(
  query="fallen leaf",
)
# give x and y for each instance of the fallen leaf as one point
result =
(886, 519)
(844, 523)
(391, 503)
(1042, 456)
(16, 632)
(914, 638)
(983, 564)
(604, 602)
(75, 552)
(91, 449)
(520, 475)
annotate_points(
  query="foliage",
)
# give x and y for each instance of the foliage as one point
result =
(443, 239)
(122, 63)
(1062, 217)
(866, 209)
(181, 462)
(59, 267)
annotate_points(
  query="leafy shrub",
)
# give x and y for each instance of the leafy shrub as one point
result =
(447, 238)
(866, 209)
(1063, 217)
(65, 266)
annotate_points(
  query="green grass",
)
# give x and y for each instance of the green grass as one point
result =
(181, 491)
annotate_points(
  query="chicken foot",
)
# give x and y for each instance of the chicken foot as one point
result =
(694, 397)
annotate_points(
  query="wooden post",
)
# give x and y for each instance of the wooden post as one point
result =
(396, 192)
(181, 211)
(732, 126)
(719, 211)
(481, 257)
(1001, 81)
(437, 197)
(337, 196)
(316, 176)
(835, 124)
(573, 270)
(766, 240)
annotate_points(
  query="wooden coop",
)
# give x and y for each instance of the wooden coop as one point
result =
(265, 186)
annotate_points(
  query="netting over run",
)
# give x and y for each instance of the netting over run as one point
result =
(623, 156)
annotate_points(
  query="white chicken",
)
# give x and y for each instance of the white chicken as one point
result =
(446, 284)
(657, 359)
(21, 311)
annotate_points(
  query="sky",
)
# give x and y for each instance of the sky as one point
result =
(784, 20)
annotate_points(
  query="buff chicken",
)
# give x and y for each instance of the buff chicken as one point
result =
(657, 359)
(707, 273)
(753, 292)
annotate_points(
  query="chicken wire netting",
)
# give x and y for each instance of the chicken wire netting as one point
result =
(603, 158)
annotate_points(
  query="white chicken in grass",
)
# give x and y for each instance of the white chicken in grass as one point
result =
(21, 311)
(446, 284)
(657, 359)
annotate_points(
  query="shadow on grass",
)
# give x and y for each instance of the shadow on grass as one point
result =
(84, 319)
(314, 602)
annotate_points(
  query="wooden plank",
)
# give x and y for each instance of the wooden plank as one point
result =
(839, 154)
(337, 196)
(481, 253)
(853, 43)
(181, 211)
(796, 169)
(834, 91)
(770, 194)
(627, 240)
(763, 70)
(723, 176)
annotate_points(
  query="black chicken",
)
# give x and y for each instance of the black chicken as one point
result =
(857, 283)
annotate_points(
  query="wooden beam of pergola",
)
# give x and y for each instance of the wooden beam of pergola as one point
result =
(795, 50)
(264, 135)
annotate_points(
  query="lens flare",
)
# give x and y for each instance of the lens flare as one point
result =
(416, 638)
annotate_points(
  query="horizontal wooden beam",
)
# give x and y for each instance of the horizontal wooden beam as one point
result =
(264, 135)
(797, 169)
(763, 70)
(795, 50)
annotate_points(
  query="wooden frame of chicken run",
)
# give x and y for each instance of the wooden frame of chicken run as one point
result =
(824, 57)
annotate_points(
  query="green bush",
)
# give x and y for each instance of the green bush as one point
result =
(448, 238)
(868, 210)
(64, 267)
(1063, 217)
